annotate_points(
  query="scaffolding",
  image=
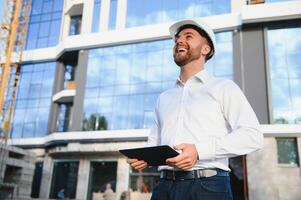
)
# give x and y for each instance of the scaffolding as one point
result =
(12, 40)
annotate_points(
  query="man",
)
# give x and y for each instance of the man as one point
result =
(61, 194)
(109, 194)
(205, 118)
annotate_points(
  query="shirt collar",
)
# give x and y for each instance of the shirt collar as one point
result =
(202, 76)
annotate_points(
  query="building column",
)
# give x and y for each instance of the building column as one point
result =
(58, 85)
(87, 17)
(123, 170)
(83, 179)
(253, 70)
(80, 81)
(26, 176)
(46, 177)
(3, 156)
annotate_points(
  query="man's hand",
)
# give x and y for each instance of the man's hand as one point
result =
(137, 164)
(186, 159)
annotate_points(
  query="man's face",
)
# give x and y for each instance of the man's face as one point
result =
(189, 46)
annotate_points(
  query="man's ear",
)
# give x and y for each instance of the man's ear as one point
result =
(205, 49)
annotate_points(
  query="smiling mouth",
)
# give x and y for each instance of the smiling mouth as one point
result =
(181, 50)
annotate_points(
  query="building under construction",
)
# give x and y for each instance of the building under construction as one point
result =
(80, 79)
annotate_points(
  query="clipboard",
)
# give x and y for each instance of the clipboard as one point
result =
(154, 156)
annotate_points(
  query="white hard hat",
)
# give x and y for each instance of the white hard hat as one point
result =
(174, 29)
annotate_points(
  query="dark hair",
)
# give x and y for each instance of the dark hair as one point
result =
(203, 34)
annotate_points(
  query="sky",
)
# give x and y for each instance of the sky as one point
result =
(1, 8)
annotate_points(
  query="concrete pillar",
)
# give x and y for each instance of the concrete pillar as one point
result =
(87, 17)
(254, 77)
(3, 157)
(80, 79)
(121, 14)
(46, 177)
(83, 179)
(104, 15)
(122, 176)
(58, 85)
(26, 175)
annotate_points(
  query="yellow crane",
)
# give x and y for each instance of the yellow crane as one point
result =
(12, 40)
(12, 37)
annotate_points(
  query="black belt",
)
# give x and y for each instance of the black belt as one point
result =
(194, 174)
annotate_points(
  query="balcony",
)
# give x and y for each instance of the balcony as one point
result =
(66, 95)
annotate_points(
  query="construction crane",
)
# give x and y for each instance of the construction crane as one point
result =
(13, 36)
(12, 40)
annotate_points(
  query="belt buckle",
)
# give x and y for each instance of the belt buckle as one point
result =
(173, 175)
(207, 173)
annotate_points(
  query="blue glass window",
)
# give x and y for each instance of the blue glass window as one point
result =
(75, 25)
(44, 23)
(96, 15)
(33, 100)
(287, 151)
(123, 82)
(1, 9)
(159, 11)
(285, 74)
(113, 14)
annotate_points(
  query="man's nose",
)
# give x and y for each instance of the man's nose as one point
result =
(179, 40)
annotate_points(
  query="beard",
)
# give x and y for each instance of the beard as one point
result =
(183, 58)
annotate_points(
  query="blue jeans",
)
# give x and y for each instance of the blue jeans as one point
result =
(211, 188)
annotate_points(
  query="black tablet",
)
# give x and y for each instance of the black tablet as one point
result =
(154, 156)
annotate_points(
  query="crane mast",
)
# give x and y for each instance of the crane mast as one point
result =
(12, 40)
(13, 36)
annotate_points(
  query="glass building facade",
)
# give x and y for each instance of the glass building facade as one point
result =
(123, 82)
(33, 101)
(113, 14)
(285, 74)
(159, 11)
(44, 23)
(96, 15)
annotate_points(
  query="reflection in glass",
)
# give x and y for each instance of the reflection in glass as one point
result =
(123, 82)
(33, 100)
(64, 179)
(43, 30)
(285, 76)
(143, 182)
(159, 11)
(287, 151)
(95, 122)
(63, 117)
(113, 14)
(75, 25)
(96, 15)
(102, 180)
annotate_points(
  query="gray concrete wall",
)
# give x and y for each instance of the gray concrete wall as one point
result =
(253, 78)
(20, 166)
(80, 79)
(267, 180)
(83, 179)
(58, 84)
(46, 177)
(123, 170)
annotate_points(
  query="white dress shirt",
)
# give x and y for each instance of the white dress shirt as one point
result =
(211, 113)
